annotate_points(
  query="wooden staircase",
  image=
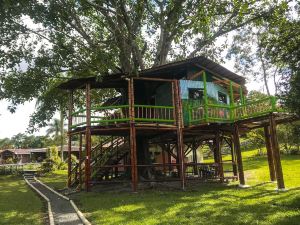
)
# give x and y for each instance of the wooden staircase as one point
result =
(108, 152)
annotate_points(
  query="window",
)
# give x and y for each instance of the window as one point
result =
(222, 97)
(195, 93)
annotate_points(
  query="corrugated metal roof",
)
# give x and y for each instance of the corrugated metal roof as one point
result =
(174, 70)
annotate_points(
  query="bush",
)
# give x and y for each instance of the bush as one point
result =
(74, 160)
(9, 161)
(53, 161)
(62, 166)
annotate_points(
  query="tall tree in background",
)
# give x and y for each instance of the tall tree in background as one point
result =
(59, 39)
(251, 59)
(283, 44)
(54, 129)
(271, 50)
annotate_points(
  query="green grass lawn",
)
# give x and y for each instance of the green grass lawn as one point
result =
(18, 203)
(56, 179)
(203, 204)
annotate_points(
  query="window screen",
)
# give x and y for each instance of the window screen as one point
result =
(196, 93)
(222, 97)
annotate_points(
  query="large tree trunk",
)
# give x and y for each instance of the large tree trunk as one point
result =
(143, 158)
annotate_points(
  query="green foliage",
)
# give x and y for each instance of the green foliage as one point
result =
(22, 140)
(14, 190)
(217, 204)
(9, 161)
(256, 139)
(74, 159)
(6, 143)
(255, 95)
(53, 161)
(43, 43)
(283, 44)
(289, 138)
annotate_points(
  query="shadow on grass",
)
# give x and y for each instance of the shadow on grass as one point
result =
(19, 204)
(210, 204)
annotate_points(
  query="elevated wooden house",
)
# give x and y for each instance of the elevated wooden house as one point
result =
(162, 115)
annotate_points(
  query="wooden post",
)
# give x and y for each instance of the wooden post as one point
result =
(233, 157)
(275, 146)
(195, 160)
(70, 137)
(133, 159)
(163, 152)
(241, 96)
(219, 153)
(169, 157)
(88, 144)
(231, 102)
(238, 152)
(179, 123)
(269, 153)
(205, 97)
(80, 161)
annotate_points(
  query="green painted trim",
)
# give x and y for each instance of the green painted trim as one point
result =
(155, 106)
(109, 107)
(219, 106)
(231, 101)
(268, 106)
(241, 95)
(190, 113)
(205, 96)
(110, 121)
(273, 102)
(153, 120)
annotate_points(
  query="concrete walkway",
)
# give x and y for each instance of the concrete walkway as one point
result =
(63, 212)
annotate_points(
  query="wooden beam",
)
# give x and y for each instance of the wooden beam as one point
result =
(133, 157)
(276, 152)
(80, 161)
(195, 160)
(193, 76)
(179, 123)
(152, 79)
(238, 152)
(217, 146)
(269, 153)
(233, 156)
(70, 136)
(88, 139)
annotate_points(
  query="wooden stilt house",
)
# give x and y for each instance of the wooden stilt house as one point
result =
(158, 118)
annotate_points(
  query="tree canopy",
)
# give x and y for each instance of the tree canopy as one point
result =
(44, 42)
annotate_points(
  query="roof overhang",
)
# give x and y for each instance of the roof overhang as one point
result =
(175, 70)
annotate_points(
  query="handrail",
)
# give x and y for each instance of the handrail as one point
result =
(206, 112)
(155, 106)
(237, 112)
(109, 115)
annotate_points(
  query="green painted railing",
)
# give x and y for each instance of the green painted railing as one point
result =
(108, 115)
(101, 115)
(231, 113)
(206, 113)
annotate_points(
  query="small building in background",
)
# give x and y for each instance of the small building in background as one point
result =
(30, 155)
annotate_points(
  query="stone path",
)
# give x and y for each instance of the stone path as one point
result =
(63, 212)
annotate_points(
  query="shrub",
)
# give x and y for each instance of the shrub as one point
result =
(53, 161)
(9, 161)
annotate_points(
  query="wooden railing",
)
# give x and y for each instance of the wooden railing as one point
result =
(225, 113)
(153, 113)
(109, 115)
(255, 108)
